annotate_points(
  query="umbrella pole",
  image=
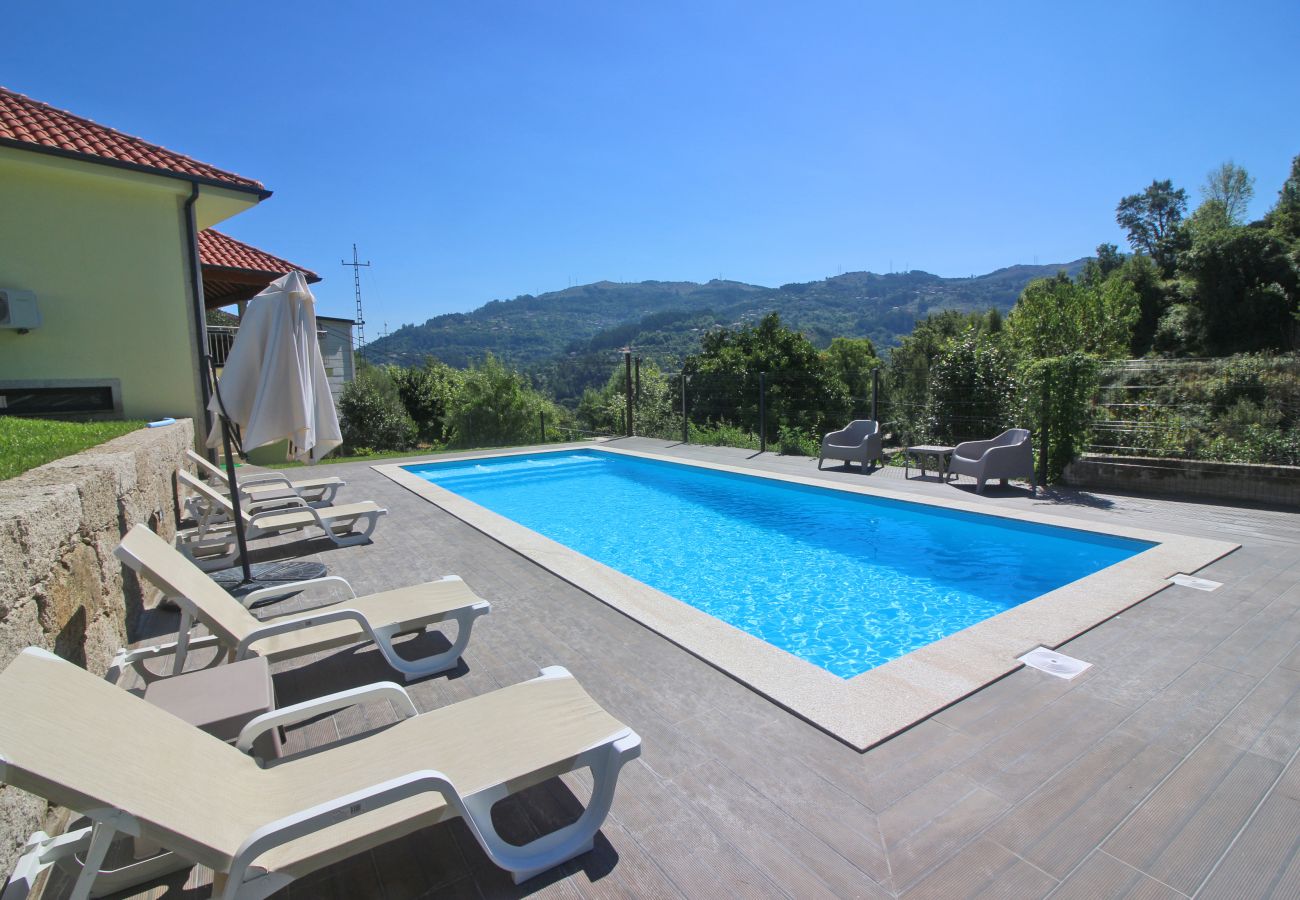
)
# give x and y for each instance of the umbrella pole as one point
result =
(240, 539)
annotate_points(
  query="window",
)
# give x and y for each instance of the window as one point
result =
(54, 400)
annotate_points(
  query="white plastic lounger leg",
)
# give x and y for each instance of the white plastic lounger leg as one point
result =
(347, 533)
(431, 665)
(550, 850)
(74, 853)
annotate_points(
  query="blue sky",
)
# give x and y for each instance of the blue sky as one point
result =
(477, 151)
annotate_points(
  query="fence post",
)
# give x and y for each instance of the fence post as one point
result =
(875, 393)
(1044, 429)
(638, 379)
(627, 361)
(762, 412)
(542, 416)
(686, 425)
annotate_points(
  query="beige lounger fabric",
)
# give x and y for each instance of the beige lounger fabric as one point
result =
(80, 742)
(413, 607)
(268, 487)
(332, 516)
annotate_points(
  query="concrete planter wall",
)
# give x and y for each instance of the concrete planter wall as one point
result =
(60, 585)
(1274, 485)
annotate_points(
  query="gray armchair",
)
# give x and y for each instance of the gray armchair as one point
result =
(859, 441)
(1008, 455)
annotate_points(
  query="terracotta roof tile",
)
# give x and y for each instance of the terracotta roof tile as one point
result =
(27, 121)
(217, 249)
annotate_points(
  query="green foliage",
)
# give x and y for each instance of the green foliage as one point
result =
(28, 443)
(852, 360)
(1151, 219)
(1142, 275)
(1057, 316)
(972, 390)
(723, 435)
(801, 391)
(791, 441)
(371, 415)
(1232, 188)
(1058, 396)
(907, 387)
(1178, 333)
(496, 407)
(1284, 218)
(1243, 283)
(655, 410)
(426, 393)
(1238, 409)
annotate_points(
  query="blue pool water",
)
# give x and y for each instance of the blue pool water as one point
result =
(842, 580)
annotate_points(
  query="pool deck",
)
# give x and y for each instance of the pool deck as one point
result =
(1168, 769)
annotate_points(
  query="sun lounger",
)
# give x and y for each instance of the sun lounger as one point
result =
(261, 487)
(212, 543)
(377, 617)
(131, 768)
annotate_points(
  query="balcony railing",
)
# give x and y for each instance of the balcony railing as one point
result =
(220, 339)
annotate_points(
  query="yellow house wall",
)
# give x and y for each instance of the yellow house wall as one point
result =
(105, 252)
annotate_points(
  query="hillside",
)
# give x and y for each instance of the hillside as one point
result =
(665, 319)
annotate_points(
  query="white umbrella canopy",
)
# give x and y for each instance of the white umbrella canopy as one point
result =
(273, 385)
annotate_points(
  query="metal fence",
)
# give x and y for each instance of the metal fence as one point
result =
(1235, 409)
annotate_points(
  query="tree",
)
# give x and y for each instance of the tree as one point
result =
(972, 390)
(371, 414)
(1107, 260)
(654, 412)
(496, 407)
(1151, 219)
(852, 361)
(1141, 274)
(1284, 217)
(1056, 316)
(801, 391)
(908, 384)
(1232, 186)
(426, 392)
(1243, 283)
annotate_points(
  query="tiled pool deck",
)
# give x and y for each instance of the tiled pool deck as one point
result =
(1166, 770)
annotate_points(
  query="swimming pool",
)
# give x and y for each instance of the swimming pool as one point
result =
(845, 581)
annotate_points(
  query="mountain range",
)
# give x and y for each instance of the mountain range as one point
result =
(663, 320)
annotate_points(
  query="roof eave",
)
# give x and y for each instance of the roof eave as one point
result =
(239, 272)
(259, 192)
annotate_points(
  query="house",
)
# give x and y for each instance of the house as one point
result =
(110, 238)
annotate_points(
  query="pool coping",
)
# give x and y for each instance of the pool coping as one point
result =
(868, 708)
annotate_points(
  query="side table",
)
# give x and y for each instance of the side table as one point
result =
(222, 700)
(921, 452)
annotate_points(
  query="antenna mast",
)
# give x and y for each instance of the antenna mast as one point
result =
(356, 281)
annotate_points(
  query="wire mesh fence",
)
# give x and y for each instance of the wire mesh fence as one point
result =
(1235, 409)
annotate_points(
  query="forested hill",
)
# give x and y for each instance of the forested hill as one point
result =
(664, 319)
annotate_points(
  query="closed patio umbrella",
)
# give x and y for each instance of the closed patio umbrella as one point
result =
(273, 385)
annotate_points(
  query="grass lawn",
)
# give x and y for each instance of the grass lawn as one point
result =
(28, 443)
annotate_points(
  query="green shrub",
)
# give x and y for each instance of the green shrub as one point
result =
(496, 407)
(723, 435)
(371, 415)
(793, 441)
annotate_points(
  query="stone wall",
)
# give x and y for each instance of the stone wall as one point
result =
(1271, 485)
(61, 587)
